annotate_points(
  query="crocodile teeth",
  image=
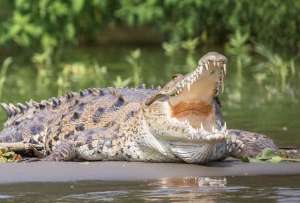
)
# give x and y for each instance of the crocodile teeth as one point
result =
(186, 122)
(201, 126)
(189, 86)
(206, 66)
(224, 128)
(224, 68)
(200, 69)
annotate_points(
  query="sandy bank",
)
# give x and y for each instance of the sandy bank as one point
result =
(77, 171)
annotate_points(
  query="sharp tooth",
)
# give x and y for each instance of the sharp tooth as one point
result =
(215, 63)
(206, 66)
(200, 69)
(225, 126)
(189, 86)
(224, 68)
(186, 122)
(201, 126)
(192, 80)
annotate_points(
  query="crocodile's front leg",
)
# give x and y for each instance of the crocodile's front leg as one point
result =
(64, 151)
(248, 144)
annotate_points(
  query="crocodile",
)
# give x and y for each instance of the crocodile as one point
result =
(180, 122)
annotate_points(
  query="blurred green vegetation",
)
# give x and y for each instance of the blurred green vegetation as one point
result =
(257, 35)
(45, 26)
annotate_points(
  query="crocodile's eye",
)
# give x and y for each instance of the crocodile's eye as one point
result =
(157, 97)
(176, 76)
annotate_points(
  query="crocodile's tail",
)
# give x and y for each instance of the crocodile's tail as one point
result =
(9, 135)
(29, 121)
(10, 132)
(14, 111)
(254, 143)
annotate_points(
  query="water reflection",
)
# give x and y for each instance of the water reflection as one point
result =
(107, 196)
(193, 189)
(203, 189)
(194, 182)
(172, 189)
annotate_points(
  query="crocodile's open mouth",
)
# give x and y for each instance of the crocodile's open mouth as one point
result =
(193, 98)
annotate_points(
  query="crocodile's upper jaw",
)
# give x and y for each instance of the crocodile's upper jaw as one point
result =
(194, 101)
(186, 102)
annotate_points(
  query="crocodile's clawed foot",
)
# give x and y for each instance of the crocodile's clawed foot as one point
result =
(235, 146)
(65, 151)
(248, 144)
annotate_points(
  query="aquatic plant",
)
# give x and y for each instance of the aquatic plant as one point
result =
(239, 51)
(171, 48)
(42, 63)
(80, 75)
(190, 46)
(238, 47)
(134, 60)
(4, 67)
(119, 82)
(269, 155)
(275, 66)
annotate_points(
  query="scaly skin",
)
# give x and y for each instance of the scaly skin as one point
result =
(179, 123)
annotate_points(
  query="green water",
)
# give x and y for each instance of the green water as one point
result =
(247, 104)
